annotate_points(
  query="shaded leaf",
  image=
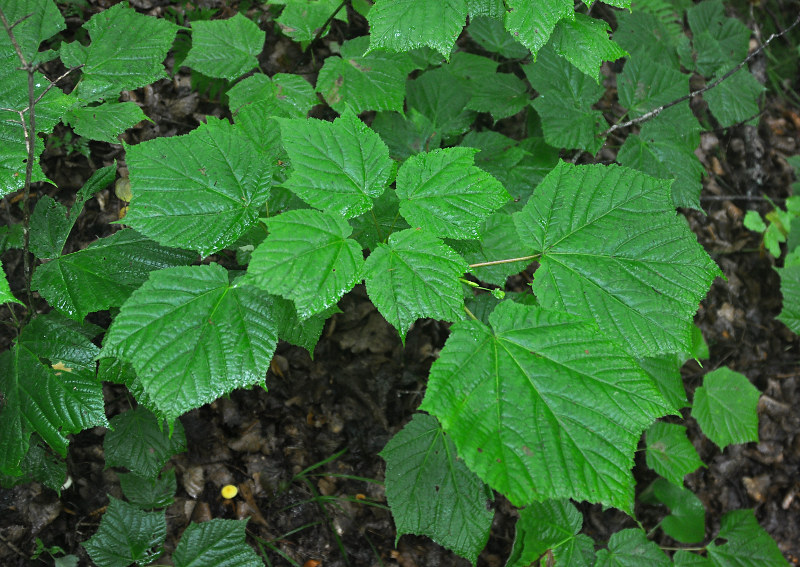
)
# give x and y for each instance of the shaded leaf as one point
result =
(725, 407)
(670, 453)
(127, 535)
(217, 542)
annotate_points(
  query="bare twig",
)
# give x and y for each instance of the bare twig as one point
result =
(658, 110)
(506, 261)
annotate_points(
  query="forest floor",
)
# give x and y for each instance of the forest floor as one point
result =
(340, 408)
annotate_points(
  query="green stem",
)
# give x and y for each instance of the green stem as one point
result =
(507, 261)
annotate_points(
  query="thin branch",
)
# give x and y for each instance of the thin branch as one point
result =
(658, 110)
(507, 261)
(53, 82)
(304, 59)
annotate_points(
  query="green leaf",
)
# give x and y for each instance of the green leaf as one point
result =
(753, 221)
(790, 290)
(50, 227)
(406, 135)
(532, 23)
(584, 42)
(376, 225)
(106, 121)
(191, 336)
(687, 520)
(641, 282)
(225, 49)
(720, 42)
(631, 548)
(301, 20)
(304, 333)
(402, 25)
(444, 192)
(127, 535)
(415, 275)
(308, 259)
(284, 95)
(528, 435)
(670, 453)
(725, 407)
(337, 166)
(140, 442)
(442, 98)
(362, 80)
(665, 148)
(112, 62)
(748, 545)
(49, 386)
(565, 100)
(551, 524)
(665, 372)
(34, 21)
(489, 33)
(645, 84)
(498, 241)
(39, 465)
(148, 493)
(104, 274)
(503, 95)
(200, 191)
(486, 8)
(431, 492)
(647, 36)
(735, 99)
(217, 542)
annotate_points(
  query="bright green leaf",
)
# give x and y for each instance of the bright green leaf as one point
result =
(104, 274)
(541, 405)
(686, 522)
(584, 42)
(401, 25)
(337, 166)
(641, 282)
(725, 407)
(431, 492)
(5, 291)
(415, 275)
(551, 524)
(200, 191)
(444, 192)
(665, 372)
(307, 258)
(284, 95)
(631, 548)
(670, 453)
(225, 49)
(532, 23)
(34, 21)
(220, 543)
(362, 80)
(485, 8)
(127, 535)
(138, 441)
(192, 336)
(302, 20)
(112, 62)
(790, 290)
(106, 121)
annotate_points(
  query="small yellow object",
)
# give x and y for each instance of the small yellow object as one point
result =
(229, 491)
(122, 189)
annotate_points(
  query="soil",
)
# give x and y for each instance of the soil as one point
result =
(362, 385)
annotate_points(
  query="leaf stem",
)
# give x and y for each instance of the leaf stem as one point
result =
(306, 54)
(506, 261)
(658, 110)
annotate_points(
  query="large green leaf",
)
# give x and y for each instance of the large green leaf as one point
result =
(431, 492)
(192, 336)
(34, 21)
(444, 192)
(725, 407)
(747, 544)
(307, 258)
(640, 281)
(670, 453)
(584, 42)
(631, 548)
(200, 191)
(147, 494)
(542, 405)
(402, 25)
(106, 121)
(48, 382)
(565, 100)
(553, 525)
(225, 49)
(112, 62)
(531, 23)
(104, 274)
(127, 535)
(415, 275)
(361, 80)
(337, 166)
(220, 543)
(138, 441)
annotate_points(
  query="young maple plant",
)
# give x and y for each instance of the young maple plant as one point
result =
(542, 397)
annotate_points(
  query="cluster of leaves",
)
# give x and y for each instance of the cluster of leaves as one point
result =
(541, 397)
